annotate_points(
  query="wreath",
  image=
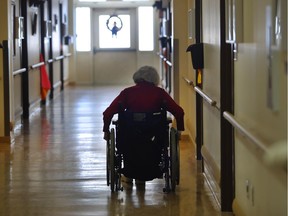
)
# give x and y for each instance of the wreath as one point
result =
(114, 29)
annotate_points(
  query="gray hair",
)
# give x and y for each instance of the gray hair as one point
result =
(148, 74)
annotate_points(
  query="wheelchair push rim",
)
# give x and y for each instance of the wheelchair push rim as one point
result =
(112, 160)
(113, 174)
(108, 162)
(174, 159)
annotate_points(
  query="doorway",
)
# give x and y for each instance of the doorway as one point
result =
(113, 61)
(114, 55)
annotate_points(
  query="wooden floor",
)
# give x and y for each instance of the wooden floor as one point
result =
(57, 166)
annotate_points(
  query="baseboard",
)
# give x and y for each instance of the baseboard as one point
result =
(237, 211)
(211, 171)
(66, 82)
(34, 106)
(212, 175)
(72, 83)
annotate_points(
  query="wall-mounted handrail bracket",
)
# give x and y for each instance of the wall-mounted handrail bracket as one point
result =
(189, 82)
(210, 101)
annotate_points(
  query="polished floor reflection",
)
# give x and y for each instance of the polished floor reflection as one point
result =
(57, 166)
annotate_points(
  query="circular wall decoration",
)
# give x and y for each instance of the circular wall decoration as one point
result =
(114, 24)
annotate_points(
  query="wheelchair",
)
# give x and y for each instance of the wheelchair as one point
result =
(143, 146)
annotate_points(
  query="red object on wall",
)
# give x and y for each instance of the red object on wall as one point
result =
(45, 82)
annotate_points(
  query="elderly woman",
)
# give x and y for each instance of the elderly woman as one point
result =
(145, 96)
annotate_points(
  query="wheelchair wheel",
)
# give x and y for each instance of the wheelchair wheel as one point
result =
(112, 173)
(113, 164)
(108, 162)
(174, 159)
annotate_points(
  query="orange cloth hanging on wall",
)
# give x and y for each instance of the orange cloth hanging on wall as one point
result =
(45, 82)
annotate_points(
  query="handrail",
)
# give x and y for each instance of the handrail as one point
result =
(230, 118)
(22, 70)
(57, 84)
(58, 58)
(37, 65)
(189, 82)
(165, 59)
(68, 54)
(50, 60)
(168, 63)
(200, 92)
(205, 96)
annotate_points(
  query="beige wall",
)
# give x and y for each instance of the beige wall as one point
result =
(115, 67)
(186, 93)
(108, 67)
(267, 184)
(211, 77)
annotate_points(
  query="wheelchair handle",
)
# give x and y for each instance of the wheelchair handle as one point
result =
(115, 122)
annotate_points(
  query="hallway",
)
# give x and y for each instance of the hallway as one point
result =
(57, 166)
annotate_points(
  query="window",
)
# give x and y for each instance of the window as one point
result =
(145, 26)
(122, 37)
(83, 29)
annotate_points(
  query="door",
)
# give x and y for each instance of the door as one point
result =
(17, 34)
(103, 57)
(114, 51)
(217, 90)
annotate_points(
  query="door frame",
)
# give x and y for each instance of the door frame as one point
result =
(227, 170)
(227, 104)
(199, 99)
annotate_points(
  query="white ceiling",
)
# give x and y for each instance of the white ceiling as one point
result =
(113, 3)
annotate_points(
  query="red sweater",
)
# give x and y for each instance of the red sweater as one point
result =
(143, 97)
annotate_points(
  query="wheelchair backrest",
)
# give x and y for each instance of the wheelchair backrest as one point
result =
(143, 126)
